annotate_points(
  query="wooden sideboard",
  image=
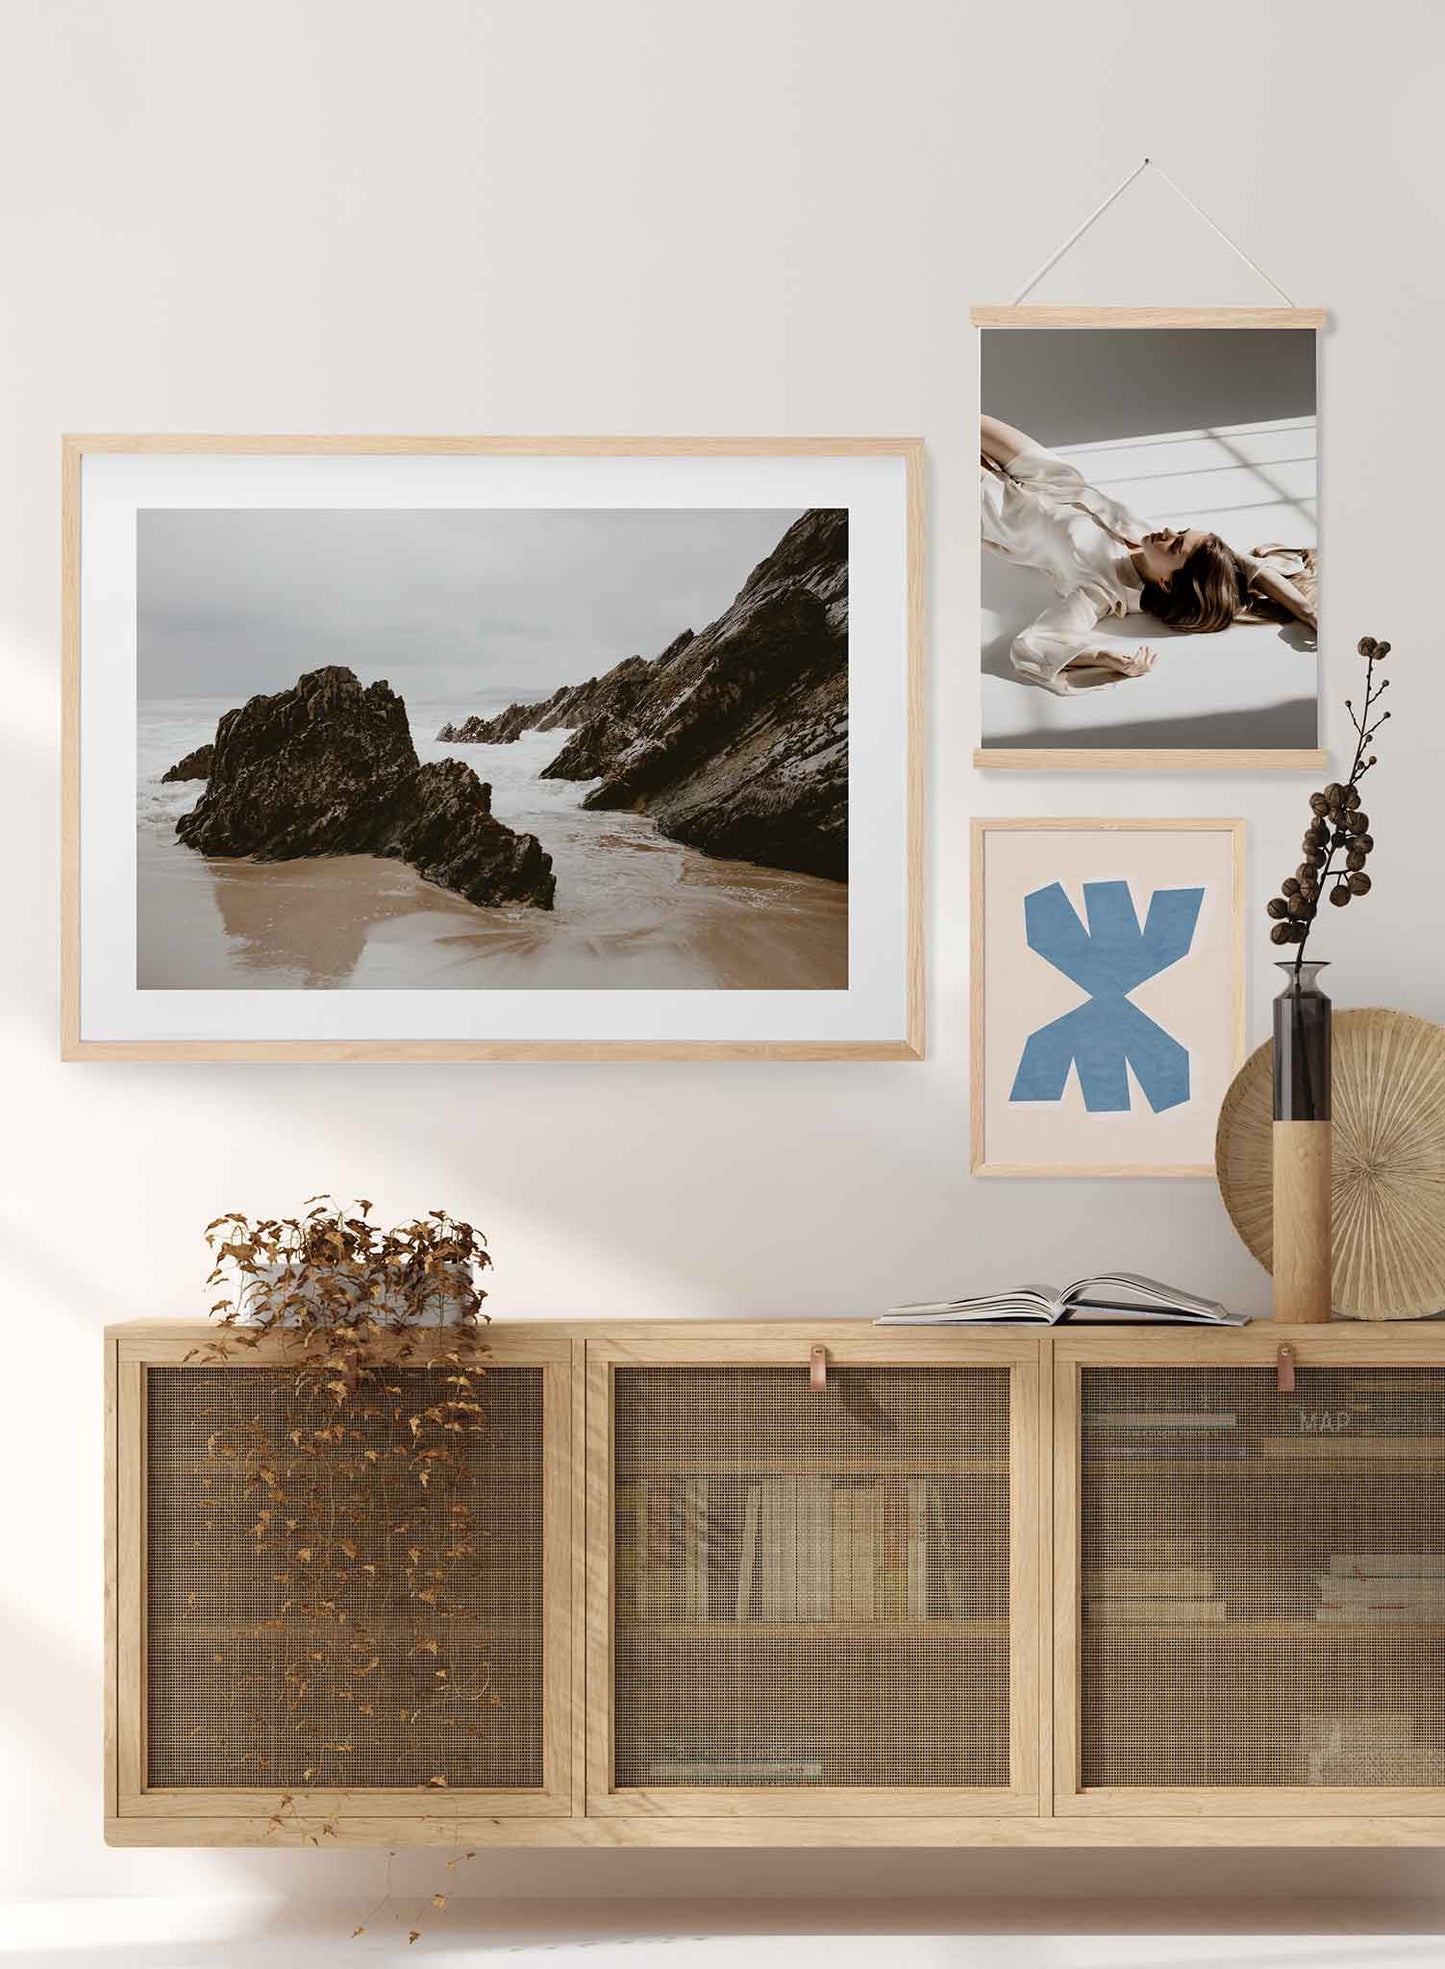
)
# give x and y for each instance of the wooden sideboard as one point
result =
(1108, 1586)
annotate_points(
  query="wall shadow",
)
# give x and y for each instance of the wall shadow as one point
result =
(1274, 727)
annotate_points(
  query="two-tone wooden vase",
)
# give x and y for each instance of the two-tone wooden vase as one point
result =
(1302, 1132)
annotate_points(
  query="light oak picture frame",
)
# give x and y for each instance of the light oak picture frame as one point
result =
(1214, 1019)
(885, 1021)
(1022, 755)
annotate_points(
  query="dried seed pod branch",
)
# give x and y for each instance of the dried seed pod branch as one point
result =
(1337, 842)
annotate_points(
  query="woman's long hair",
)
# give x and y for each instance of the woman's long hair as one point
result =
(1208, 593)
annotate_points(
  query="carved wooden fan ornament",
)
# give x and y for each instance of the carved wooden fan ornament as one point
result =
(1389, 1163)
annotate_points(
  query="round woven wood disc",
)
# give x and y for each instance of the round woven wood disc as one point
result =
(1388, 1088)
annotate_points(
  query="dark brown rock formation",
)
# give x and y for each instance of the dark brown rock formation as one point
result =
(444, 829)
(568, 707)
(588, 751)
(501, 730)
(305, 772)
(734, 740)
(328, 768)
(195, 765)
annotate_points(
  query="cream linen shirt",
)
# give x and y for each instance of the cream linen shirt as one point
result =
(1044, 514)
(1031, 515)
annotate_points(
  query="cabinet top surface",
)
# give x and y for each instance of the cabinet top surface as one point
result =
(1339, 1339)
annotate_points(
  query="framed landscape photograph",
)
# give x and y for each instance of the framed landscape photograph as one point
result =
(480, 748)
(1149, 580)
(1107, 989)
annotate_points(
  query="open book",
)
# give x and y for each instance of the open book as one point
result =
(1107, 1297)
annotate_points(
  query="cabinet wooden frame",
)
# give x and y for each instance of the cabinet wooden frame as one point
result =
(243, 1814)
(1344, 1345)
(845, 1345)
(1044, 1807)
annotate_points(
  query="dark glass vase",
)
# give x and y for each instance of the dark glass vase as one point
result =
(1301, 1046)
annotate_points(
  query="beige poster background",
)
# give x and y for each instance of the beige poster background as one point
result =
(1195, 999)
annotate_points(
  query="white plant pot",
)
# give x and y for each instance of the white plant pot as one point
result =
(443, 1307)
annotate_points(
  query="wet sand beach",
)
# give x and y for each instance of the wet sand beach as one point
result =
(634, 911)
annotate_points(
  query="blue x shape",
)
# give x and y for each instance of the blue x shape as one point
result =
(1109, 1034)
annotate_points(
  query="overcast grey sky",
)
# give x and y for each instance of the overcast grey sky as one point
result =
(445, 605)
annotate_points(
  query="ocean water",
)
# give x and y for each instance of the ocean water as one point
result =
(633, 911)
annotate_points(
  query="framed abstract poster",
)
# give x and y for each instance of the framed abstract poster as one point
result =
(486, 748)
(1107, 994)
(1150, 576)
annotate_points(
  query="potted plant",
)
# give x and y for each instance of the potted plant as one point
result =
(330, 1272)
(341, 1587)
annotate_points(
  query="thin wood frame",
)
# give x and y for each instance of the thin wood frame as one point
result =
(852, 1345)
(1159, 759)
(1254, 1346)
(75, 448)
(1183, 759)
(980, 829)
(132, 1804)
(1215, 1828)
(1052, 317)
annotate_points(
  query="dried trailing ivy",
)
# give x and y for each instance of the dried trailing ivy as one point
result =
(363, 1551)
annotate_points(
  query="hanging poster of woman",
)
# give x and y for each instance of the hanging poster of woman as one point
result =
(1150, 571)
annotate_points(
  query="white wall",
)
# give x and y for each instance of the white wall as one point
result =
(652, 216)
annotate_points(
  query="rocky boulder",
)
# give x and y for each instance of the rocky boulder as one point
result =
(501, 730)
(195, 765)
(303, 772)
(328, 768)
(734, 740)
(444, 829)
(570, 706)
(737, 743)
(588, 751)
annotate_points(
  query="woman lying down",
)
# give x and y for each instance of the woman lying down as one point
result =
(1041, 513)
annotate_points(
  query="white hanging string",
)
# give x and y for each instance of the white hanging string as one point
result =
(1078, 233)
(1234, 244)
(1147, 164)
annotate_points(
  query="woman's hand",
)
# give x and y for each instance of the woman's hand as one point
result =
(1283, 592)
(1125, 662)
(1107, 666)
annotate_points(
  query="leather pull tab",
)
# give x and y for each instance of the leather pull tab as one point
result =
(1284, 1370)
(818, 1369)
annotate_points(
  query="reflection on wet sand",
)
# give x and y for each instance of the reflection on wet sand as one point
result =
(246, 924)
(635, 912)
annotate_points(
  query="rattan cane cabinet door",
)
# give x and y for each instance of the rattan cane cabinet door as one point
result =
(812, 1601)
(1256, 1577)
(414, 1667)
